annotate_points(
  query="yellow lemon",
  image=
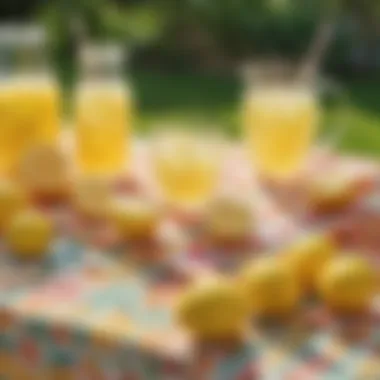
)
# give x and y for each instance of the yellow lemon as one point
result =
(29, 234)
(44, 171)
(229, 218)
(307, 257)
(135, 217)
(271, 286)
(332, 195)
(92, 197)
(348, 283)
(12, 199)
(214, 308)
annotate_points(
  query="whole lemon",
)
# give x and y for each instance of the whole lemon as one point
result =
(29, 234)
(307, 257)
(12, 199)
(214, 308)
(135, 217)
(348, 283)
(271, 286)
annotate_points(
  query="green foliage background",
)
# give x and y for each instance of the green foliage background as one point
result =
(185, 53)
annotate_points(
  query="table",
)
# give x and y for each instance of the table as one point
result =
(84, 315)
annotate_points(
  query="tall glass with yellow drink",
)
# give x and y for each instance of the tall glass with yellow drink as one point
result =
(29, 95)
(280, 125)
(102, 113)
(187, 165)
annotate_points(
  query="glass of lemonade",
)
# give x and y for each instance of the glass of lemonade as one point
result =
(29, 94)
(281, 117)
(187, 164)
(102, 112)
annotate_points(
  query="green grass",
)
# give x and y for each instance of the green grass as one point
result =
(186, 99)
(360, 118)
(200, 99)
(215, 100)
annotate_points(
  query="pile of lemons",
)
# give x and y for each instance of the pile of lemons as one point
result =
(26, 232)
(41, 177)
(275, 285)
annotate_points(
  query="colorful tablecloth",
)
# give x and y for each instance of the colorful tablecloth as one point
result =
(101, 321)
(82, 314)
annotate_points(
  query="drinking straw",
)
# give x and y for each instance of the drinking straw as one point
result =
(312, 60)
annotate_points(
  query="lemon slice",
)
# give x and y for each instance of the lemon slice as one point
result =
(332, 195)
(135, 217)
(92, 197)
(44, 171)
(229, 218)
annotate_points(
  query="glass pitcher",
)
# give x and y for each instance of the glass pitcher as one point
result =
(103, 108)
(29, 94)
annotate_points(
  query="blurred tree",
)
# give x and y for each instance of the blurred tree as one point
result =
(241, 29)
(71, 22)
(218, 33)
(366, 44)
(130, 21)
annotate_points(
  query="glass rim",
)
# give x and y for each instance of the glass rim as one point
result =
(22, 34)
(190, 127)
(276, 72)
(192, 140)
(202, 134)
(93, 52)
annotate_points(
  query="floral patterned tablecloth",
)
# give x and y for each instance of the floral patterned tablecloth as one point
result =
(83, 315)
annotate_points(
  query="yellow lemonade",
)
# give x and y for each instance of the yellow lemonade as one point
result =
(280, 126)
(29, 116)
(102, 128)
(187, 168)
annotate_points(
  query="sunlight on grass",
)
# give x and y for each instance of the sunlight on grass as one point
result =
(215, 100)
(354, 126)
(361, 131)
